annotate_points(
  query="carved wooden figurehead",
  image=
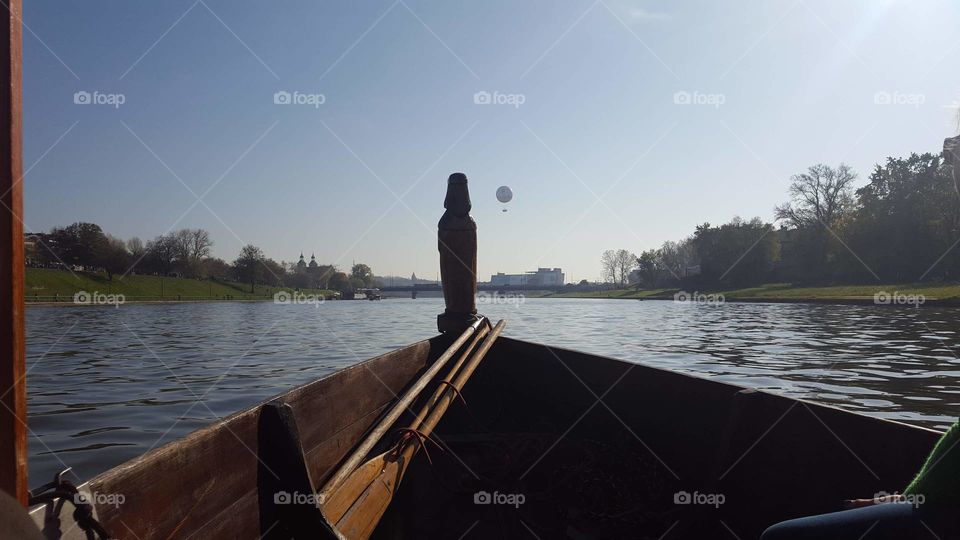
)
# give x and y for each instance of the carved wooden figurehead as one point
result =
(457, 242)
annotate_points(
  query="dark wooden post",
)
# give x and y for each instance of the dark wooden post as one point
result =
(457, 241)
(13, 388)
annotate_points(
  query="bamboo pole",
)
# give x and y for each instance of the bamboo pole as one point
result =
(438, 393)
(443, 403)
(360, 518)
(360, 453)
(13, 413)
(340, 499)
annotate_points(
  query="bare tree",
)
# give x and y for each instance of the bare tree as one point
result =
(617, 265)
(137, 250)
(181, 244)
(676, 257)
(608, 263)
(191, 246)
(819, 196)
(625, 262)
(161, 254)
(200, 244)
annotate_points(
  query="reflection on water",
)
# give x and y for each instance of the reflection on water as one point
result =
(106, 385)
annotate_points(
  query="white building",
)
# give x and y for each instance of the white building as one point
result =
(549, 277)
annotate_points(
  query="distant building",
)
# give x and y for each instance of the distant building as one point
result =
(30, 252)
(37, 250)
(548, 277)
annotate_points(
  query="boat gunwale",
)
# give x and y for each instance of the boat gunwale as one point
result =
(216, 425)
(730, 385)
(254, 408)
(559, 352)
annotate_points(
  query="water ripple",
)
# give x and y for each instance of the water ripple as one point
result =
(125, 380)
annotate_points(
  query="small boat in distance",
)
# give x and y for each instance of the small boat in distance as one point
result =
(533, 442)
(370, 294)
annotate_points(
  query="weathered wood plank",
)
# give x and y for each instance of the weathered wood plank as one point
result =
(200, 482)
(13, 413)
(404, 402)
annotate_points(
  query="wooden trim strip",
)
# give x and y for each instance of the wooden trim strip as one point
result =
(13, 388)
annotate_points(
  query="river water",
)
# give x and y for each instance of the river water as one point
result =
(107, 384)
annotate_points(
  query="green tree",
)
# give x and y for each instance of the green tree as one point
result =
(80, 244)
(322, 276)
(114, 257)
(340, 282)
(736, 254)
(273, 273)
(363, 273)
(907, 219)
(650, 268)
(217, 269)
(676, 258)
(249, 265)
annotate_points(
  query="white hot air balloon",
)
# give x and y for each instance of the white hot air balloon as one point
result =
(504, 195)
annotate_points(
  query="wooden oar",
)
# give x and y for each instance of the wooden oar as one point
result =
(364, 514)
(380, 430)
(340, 499)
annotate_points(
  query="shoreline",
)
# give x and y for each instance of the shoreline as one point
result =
(204, 301)
(172, 301)
(904, 294)
(848, 300)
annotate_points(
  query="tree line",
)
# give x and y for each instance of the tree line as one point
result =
(183, 253)
(902, 226)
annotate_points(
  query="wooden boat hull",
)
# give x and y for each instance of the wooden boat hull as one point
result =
(558, 427)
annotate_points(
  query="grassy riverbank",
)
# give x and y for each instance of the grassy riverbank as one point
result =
(785, 292)
(44, 285)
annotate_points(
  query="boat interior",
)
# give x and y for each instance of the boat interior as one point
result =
(545, 443)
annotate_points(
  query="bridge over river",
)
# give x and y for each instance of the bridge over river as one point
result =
(431, 287)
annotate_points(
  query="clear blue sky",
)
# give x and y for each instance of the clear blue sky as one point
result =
(798, 82)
